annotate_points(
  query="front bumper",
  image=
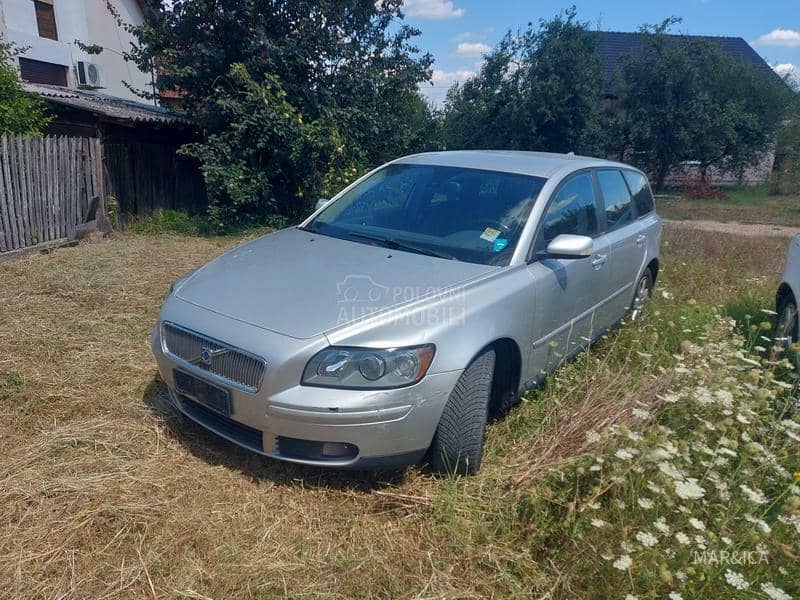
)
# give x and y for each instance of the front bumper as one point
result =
(388, 428)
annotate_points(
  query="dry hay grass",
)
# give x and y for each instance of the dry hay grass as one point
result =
(105, 492)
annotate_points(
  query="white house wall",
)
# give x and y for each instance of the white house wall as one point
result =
(88, 21)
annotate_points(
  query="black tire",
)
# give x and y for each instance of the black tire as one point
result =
(786, 321)
(642, 295)
(457, 445)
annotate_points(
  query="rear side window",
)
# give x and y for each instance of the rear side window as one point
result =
(572, 210)
(616, 198)
(642, 197)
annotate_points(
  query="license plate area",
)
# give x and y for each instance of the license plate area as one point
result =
(202, 392)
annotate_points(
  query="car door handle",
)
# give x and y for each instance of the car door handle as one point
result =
(641, 240)
(599, 260)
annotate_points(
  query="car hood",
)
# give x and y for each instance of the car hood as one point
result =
(302, 284)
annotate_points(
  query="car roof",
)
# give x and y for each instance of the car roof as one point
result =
(538, 164)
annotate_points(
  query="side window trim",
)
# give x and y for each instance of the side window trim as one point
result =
(564, 182)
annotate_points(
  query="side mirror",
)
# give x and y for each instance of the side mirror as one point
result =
(321, 202)
(570, 246)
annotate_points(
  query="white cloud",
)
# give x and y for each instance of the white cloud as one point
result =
(432, 9)
(784, 69)
(468, 49)
(788, 38)
(447, 78)
(463, 37)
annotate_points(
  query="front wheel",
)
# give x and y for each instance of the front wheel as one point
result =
(457, 445)
(644, 289)
(786, 330)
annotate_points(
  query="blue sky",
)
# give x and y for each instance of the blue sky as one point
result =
(457, 32)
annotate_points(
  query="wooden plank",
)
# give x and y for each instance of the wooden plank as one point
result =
(5, 224)
(31, 177)
(68, 186)
(59, 169)
(47, 192)
(9, 186)
(23, 188)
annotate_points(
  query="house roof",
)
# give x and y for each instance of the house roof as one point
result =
(613, 46)
(109, 106)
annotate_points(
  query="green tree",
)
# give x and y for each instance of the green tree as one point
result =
(685, 100)
(537, 90)
(21, 112)
(291, 95)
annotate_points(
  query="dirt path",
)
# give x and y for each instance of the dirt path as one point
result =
(750, 230)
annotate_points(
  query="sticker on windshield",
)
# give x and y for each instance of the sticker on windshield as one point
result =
(490, 234)
(499, 244)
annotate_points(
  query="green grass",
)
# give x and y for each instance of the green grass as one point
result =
(107, 493)
(752, 204)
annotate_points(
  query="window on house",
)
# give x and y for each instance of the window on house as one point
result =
(36, 71)
(46, 19)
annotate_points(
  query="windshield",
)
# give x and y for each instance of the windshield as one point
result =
(452, 212)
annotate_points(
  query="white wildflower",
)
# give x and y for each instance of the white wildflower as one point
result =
(670, 470)
(641, 413)
(593, 437)
(689, 489)
(761, 524)
(631, 597)
(774, 592)
(625, 453)
(645, 503)
(656, 489)
(754, 495)
(792, 520)
(623, 563)
(661, 525)
(736, 580)
(598, 523)
(646, 538)
(682, 538)
(681, 575)
(675, 596)
(697, 524)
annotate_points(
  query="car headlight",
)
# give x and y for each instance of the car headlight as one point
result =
(368, 368)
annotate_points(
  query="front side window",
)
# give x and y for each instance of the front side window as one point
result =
(467, 214)
(616, 198)
(572, 211)
(642, 196)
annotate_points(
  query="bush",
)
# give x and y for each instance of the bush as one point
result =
(172, 221)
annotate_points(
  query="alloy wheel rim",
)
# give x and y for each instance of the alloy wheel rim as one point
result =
(642, 295)
(786, 324)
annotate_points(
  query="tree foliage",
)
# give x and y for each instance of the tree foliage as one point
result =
(683, 100)
(537, 90)
(21, 112)
(290, 94)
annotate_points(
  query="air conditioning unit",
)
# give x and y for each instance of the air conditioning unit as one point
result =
(89, 75)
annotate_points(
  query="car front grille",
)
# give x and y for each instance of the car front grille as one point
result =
(225, 361)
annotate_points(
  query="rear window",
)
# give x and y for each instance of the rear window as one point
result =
(616, 198)
(642, 197)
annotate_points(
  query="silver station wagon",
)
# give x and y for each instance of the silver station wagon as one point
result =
(403, 314)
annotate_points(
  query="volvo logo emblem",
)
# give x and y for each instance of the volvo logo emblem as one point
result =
(205, 355)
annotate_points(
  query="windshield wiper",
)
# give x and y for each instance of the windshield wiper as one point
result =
(397, 245)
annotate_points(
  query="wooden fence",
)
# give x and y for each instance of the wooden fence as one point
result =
(48, 187)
